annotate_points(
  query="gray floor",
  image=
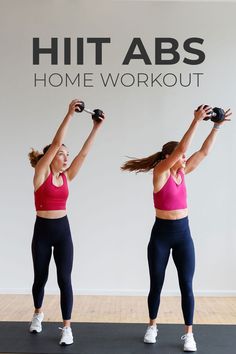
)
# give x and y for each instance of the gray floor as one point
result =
(108, 338)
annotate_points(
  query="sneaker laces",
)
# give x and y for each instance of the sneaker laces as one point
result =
(36, 317)
(151, 329)
(64, 329)
(187, 337)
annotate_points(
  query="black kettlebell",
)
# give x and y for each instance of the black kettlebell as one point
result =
(81, 105)
(216, 115)
(97, 115)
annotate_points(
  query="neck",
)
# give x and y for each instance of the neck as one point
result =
(55, 172)
(174, 170)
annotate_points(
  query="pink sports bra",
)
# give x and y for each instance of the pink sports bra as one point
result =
(171, 196)
(50, 197)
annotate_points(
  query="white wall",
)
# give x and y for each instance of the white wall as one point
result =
(110, 212)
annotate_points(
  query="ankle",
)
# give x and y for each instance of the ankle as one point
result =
(152, 323)
(38, 311)
(188, 329)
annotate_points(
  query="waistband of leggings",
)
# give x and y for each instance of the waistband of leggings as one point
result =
(51, 221)
(176, 224)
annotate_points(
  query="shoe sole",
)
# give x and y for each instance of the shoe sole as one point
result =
(35, 332)
(190, 350)
(148, 342)
(65, 344)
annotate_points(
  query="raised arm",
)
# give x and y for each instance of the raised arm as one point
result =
(76, 164)
(42, 168)
(183, 145)
(206, 147)
(44, 163)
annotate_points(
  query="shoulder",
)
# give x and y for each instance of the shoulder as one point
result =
(40, 178)
(160, 179)
(159, 173)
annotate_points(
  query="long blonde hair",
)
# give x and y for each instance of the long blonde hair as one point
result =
(147, 163)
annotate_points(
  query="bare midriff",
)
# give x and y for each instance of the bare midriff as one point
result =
(171, 214)
(51, 214)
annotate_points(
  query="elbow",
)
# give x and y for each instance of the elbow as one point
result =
(57, 143)
(182, 148)
(204, 152)
(83, 155)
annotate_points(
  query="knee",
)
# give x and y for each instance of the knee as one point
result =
(186, 288)
(156, 287)
(38, 286)
(64, 281)
(40, 279)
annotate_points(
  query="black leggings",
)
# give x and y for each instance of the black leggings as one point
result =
(55, 233)
(175, 235)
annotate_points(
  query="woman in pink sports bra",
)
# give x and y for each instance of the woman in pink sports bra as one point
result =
(52, 230)
(171, 228)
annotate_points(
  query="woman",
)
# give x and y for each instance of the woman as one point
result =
(52, 227)
(171, 228)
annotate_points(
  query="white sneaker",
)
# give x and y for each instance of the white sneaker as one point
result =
(189, 343)
(151, 334)
(36, 324)
(66, 336)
